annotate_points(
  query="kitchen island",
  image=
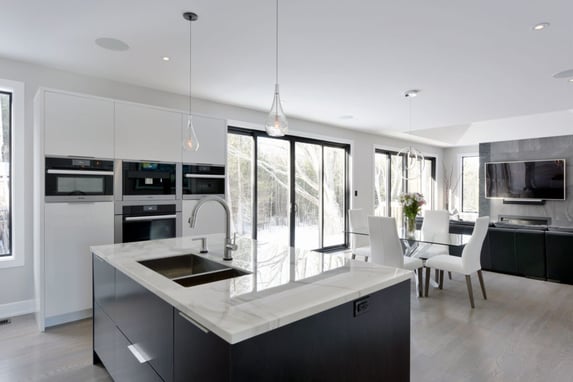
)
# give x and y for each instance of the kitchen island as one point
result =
(294, 315)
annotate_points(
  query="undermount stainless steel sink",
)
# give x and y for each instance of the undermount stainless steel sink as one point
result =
(190, 270)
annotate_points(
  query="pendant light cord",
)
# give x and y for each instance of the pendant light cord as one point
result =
(190, 35)
(277, 45)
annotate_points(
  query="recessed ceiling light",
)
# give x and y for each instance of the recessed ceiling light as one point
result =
(112, 44)
(540, 26)
(570, 79)
(347, 116)
(412, 93)
(564, 74)
(165, 58)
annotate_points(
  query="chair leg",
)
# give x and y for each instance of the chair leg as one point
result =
(470, 291)
(450, 275)
(365, 259)
(480, 277)
(420, 284)
(354, 256)
(427, 280)
(441, 286)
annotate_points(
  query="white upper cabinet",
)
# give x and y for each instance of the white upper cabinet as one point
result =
(78, 126)
(212, 136)
(147, 133)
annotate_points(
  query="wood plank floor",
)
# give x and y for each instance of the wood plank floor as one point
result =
(523, 332)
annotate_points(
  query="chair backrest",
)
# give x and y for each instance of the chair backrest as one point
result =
(471, 255)
(385, 246)
(436, 222)
(358, 223)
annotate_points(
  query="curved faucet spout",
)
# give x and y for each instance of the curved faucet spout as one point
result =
(229, 244)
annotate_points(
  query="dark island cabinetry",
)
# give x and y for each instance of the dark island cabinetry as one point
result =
(140, 337)
(559, 250)
(340, 344)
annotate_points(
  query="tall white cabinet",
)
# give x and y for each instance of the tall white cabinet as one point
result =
(76, 125)
(70, 229)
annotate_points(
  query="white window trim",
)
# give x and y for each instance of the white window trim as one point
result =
(18, 172)
(461, 174)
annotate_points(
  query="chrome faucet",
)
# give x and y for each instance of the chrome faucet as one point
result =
(229, 243)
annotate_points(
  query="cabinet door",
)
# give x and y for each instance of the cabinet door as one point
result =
(146, 133)
(502, 250)
(104, 339)
(127, 367)
(77, 125)
(70, 229)
(212, 136)
(530, 253)
(147, 322)
(104, 284)
(559, 256)
(199, 356)
(211, 219)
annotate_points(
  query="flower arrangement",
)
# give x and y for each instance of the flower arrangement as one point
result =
(411, 205)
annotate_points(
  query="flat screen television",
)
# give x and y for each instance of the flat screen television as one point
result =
(538, 179)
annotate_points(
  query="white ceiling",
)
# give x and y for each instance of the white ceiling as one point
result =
(473, 60)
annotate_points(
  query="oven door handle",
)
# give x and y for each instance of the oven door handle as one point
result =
(204, 176)
(148, 218)
(78, 172)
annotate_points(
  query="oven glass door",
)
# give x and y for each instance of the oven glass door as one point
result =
(69, 182)
(141, 178)
(204, 186)
(140, 228)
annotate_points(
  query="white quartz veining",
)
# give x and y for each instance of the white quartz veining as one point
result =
(284, 286)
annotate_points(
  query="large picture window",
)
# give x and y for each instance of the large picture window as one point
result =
(5, 174)
(470, 184)
(288, 190)
(389, 184)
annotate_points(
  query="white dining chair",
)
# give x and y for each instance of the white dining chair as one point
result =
(468, 263)
(436, 222)
(386, 248)
(359, 244)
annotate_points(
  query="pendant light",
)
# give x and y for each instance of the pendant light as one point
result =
(276, 124)
(411, 155)
(190, 141)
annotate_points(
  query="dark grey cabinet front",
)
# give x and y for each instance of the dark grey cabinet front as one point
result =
(147, 322)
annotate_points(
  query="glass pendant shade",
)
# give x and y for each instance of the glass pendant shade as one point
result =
(414, 162)
(190, 141)
(276, 124)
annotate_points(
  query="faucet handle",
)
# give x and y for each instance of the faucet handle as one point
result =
(232, 243)
(203, 244)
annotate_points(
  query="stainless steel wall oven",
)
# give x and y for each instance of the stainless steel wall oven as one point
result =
(78, 179)
(140, 220)
(200, 180)
(148, 180)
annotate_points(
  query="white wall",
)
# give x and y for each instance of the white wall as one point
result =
(16, 284)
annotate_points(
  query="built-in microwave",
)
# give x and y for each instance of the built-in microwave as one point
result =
(78, 179)
(140, 220)
(200, 179)
(148, 180)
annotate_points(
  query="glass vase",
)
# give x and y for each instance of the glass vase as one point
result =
(410, 226)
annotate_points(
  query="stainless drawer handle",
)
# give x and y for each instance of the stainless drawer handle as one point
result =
(145, 218)
(206, 176)
(78, 172)
(192, 321)
(138, 354)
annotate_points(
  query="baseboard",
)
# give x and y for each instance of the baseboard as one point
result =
(18, 308)
(68, 317)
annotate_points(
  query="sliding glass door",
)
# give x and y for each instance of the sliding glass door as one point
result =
(299, 189)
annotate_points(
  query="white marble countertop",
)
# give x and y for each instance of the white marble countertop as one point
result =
(286, 284)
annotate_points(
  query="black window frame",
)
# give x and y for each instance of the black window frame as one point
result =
(10, 196)
(389, 154)
(293, 139)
